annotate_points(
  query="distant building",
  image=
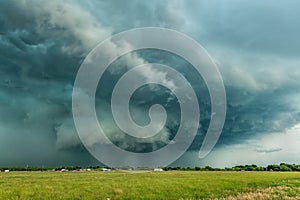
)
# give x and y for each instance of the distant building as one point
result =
(158, 170)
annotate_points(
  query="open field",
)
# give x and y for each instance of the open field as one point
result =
(150, 185)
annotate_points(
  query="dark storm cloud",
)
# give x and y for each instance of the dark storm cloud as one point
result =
(40, 54)
(42, 45)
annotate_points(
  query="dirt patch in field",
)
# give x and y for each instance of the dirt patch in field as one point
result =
(279, 192)
(118, 191)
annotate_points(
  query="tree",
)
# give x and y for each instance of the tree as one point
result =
(273, 168)
(284, 167)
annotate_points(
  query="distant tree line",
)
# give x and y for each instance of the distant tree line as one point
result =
(282, 167)
(68, 168)
(274, 167)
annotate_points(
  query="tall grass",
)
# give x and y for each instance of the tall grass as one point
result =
(151, 185)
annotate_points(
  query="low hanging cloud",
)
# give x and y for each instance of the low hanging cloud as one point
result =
(273, 148)
(42, 44)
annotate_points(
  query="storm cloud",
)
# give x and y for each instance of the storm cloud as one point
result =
(42, 45)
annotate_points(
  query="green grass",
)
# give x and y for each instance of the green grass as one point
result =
(151, 185)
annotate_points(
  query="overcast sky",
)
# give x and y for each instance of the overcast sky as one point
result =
(255, 45)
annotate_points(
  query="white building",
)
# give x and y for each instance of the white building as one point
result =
(106, 170)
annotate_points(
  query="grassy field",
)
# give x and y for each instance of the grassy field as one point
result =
(150, 185)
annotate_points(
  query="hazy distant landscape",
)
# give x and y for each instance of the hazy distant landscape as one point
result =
(282, 167)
